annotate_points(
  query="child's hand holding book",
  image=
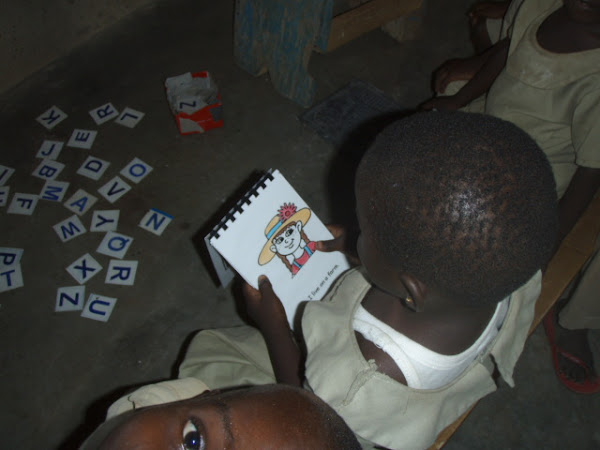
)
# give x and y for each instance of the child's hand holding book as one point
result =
(343, 241)
(266, 310)
(271, 231)
(264, 307)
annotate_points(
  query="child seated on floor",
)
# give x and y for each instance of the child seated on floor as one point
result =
(458, 214)
(271, 416)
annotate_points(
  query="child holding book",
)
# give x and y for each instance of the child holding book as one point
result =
(545, 78)
(456, 224)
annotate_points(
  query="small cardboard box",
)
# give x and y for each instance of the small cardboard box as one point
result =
(195, 102)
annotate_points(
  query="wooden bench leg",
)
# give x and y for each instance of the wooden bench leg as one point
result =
(278, 37)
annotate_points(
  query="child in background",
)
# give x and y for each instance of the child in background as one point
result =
(455, 226)
(545, 79)
(489, 22)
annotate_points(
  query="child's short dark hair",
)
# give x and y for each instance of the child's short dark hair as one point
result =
(465, 202)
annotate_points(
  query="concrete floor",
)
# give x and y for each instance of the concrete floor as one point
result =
(59, 371)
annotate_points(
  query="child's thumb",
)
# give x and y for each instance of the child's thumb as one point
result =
(264, 286)
(330, 245)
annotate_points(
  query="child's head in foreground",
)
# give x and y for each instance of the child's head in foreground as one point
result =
(465, 203)
(270, 416)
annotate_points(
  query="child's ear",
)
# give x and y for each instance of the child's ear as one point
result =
(273, 249)
(299, 226)
(417, 291)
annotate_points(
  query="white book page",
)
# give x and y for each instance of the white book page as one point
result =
(248, 242)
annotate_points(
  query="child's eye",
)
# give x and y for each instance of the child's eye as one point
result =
(192, 439)
(288, 232)
(278, 240)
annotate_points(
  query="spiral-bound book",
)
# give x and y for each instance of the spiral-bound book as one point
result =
(272, 231)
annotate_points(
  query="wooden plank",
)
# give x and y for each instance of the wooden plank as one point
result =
(583, 236)
(575, 250)
(559, 274)
(450, 430)
(367, 17)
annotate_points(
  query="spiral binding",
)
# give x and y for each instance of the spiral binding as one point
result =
(239, 205)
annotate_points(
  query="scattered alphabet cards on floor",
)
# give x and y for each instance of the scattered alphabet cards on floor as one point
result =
(84, 216)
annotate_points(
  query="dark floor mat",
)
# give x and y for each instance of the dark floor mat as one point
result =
(358, 103)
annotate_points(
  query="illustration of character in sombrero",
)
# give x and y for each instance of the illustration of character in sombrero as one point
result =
(287, 239)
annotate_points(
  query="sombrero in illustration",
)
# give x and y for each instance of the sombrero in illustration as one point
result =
(287, 239)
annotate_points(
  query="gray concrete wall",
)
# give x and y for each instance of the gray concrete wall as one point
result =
(33, 33)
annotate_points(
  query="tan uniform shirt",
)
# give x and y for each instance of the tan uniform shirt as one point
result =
(379, 409)
(553, 97)
(157, 394)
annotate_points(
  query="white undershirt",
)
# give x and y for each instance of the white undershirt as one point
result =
(424, 368)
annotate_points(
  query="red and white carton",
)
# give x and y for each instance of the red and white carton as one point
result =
(195, 102)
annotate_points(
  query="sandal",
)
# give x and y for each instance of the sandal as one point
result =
(591, 384)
